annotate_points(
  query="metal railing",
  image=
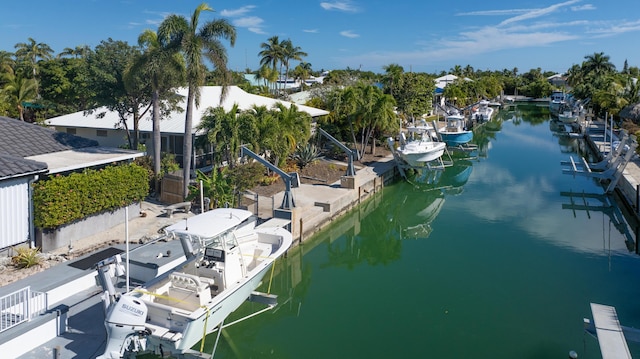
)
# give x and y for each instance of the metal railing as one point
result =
(21, 306)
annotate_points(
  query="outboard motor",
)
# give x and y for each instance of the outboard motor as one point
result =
(125, 322)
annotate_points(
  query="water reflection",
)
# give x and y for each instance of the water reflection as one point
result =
(416, 209)
(593, 203)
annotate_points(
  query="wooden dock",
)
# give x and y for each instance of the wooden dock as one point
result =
(613, 344)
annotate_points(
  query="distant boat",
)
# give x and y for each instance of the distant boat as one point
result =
(420, 148)
(568, 116)
(482, 112)
(455, 132)
(172, 313)
(557, 101)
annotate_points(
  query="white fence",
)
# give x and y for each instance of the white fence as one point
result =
(21, 306)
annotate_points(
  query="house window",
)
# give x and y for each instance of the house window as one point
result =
(71, 131)
(101, 133)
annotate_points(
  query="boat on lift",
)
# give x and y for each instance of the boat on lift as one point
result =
(482, 112)
(419, 148)
(227, 258)
(455, 132)
(557, 101)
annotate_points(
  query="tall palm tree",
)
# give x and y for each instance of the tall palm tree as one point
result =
(290, 52)
(30, 52)
(196, 44)
(301, 73)
(598, 64)
(271, 53)
(164, 68)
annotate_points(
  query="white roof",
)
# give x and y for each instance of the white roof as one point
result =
(211, 223)
(174, 122)
(78, 158)
(443, 81)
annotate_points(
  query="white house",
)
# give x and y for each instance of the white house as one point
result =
(108, 131)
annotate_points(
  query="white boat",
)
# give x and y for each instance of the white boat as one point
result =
(455, 132)
(482, 112)
(568, 116)
(227, 258)
(557, 101)
(420, 148)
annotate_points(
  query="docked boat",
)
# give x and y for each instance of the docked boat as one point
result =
(568, 116)
(482, 112)
(420, 149)
(227, 258)
(455, 132)
(557, 101)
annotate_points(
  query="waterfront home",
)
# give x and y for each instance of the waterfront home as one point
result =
(27, 153)
(104, 126)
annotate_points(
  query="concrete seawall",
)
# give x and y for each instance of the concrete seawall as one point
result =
(318, 205)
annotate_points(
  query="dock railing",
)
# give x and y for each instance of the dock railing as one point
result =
(21, 306)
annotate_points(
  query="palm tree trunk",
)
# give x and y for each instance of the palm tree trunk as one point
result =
(188, 142)
(156, 140)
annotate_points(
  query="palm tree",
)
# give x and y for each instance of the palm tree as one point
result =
(290, 52)
(79, 51)
(17, 90)
(271, 53)
(391, 79)
(196, 45)
(598, 64)
(164, 68)
(30, 52)
(301, 73)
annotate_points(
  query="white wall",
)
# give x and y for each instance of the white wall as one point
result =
(14, 211)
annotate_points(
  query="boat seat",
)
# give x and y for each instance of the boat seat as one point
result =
(189, 291)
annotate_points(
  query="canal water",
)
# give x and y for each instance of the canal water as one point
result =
(487, 259)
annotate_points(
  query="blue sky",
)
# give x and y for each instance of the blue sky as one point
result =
(420, 35)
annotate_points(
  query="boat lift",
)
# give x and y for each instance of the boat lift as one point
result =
(610, 169)
(350, 153)
(291, 180)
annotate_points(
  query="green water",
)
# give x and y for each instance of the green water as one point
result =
(483, 262)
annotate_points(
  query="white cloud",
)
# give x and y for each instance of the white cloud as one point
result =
(535, 13)
(349, 33)
(583, 7)
(346, 6)
(237, 12)
(311, 31)
(616, 28)
(252, 23)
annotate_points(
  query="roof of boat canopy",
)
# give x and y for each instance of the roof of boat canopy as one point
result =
(212, 223)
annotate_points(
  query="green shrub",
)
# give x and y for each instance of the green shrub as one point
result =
(26, 257)
(63, 199)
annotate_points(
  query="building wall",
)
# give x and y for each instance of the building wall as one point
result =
(14, 211)
(106, 138)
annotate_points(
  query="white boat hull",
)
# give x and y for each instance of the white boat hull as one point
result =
(419, 153)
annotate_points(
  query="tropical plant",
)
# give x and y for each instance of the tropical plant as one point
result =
(305, 155)
(17, 90)
(218, 187)
(196, 44)
(26, 257)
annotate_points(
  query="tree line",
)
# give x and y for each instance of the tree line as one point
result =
(364, 106)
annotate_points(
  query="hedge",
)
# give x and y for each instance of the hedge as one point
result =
(60, 200)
